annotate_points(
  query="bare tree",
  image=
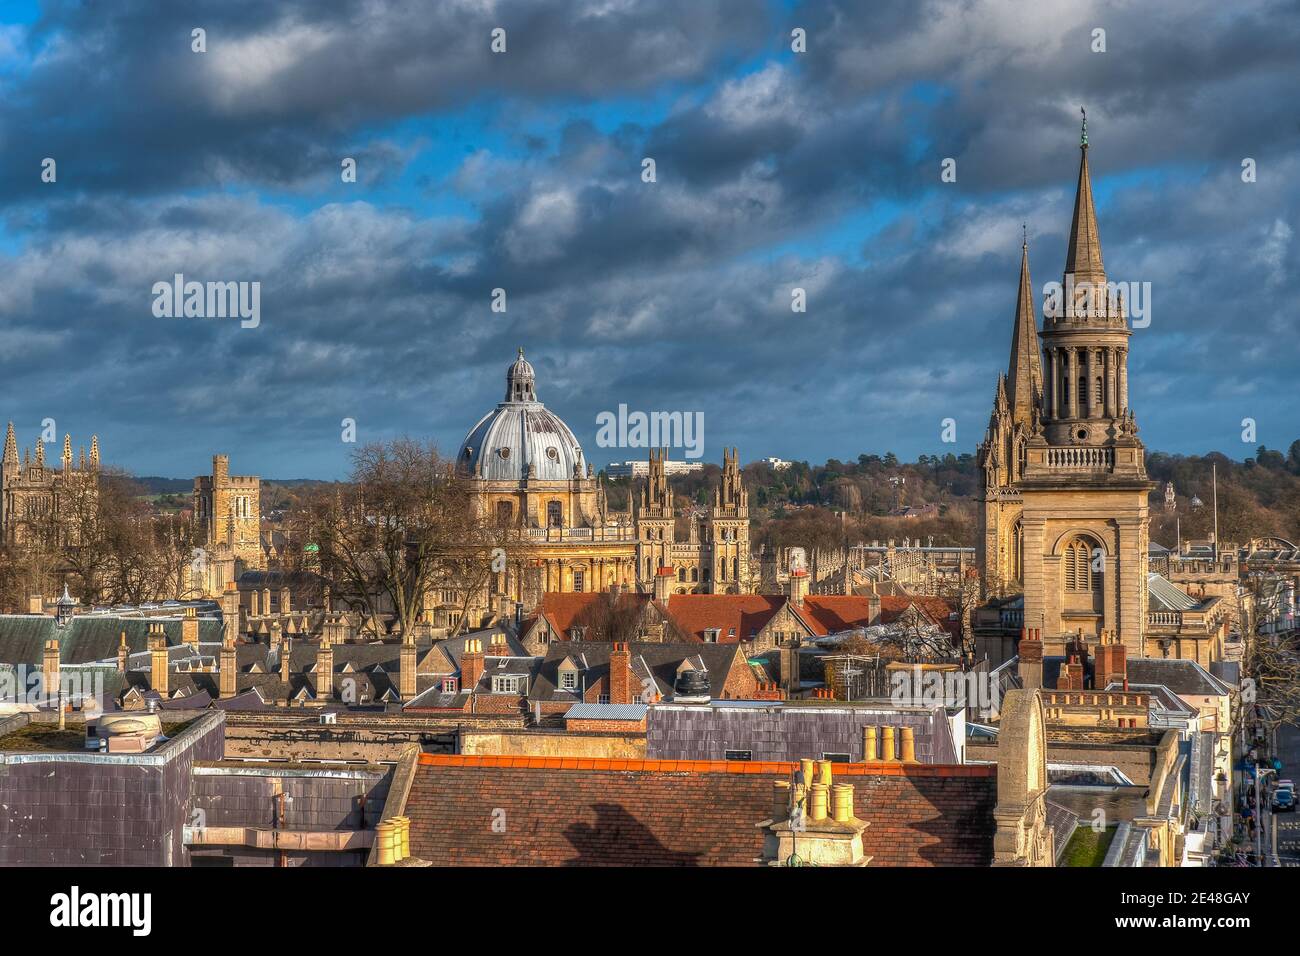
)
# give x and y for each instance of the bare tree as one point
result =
(404, 529)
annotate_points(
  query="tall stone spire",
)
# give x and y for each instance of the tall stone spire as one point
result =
(11, 447)
(94, 451)
(40, 453)
(67, 453)
(1083, 254)
(1025, 372)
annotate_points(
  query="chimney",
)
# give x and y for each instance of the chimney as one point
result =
(1110, 663)
(909, 744)
(1030, 666)
(285, 654)
(498, 647)
(158, 673)
(325, 670)
(325, 598)
(827, 834)
(228, 676)
(277, 636)
(888, 749)
(407, 671)
(873, 608)
(266, 600)
(471, 664)
(620, 674)
(663, 585)
(286, 600)
(35, 604)
(798, 586)
(230, 614)
(869, 747)
(123, 653)
(190, 628)
(50, 671)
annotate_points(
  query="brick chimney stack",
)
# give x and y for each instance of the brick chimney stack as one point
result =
(158, 674)
(471, 664)
(1031, 658)
(620, 674)
(50, 670)
(798, 586)
(1110, 664)
(190, 628)
(230, 613)
(407, 667)
(325, 670)
(284, 647)
(228, 665)
(873, 608)
(123, 653)
(35, 604)
(663, 585)
(498, 647)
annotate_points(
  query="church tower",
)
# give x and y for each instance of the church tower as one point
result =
(728, 530)
(655, 522)
(1017, 406)
(1083, 484)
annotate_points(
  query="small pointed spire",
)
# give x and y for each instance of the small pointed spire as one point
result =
(94, 451)
(81, 458)
(40, 453)
(1083, 254)
(67, 452)
(1025, 372)
(11, 446)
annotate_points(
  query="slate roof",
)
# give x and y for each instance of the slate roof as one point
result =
(1183, 677)
(678, 813)
(650, 660)
(779, 731)
(88, 637)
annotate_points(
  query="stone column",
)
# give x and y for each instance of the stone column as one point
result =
(1123, 380)
(1052, 393)
(1072, 382)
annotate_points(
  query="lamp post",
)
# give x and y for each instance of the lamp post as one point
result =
(1259, 818)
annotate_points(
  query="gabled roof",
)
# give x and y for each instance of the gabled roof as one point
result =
(738, 617)
(649, 661)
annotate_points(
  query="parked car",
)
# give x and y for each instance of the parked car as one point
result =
(1284, 800)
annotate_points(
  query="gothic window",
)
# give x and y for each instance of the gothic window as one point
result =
(1080, 577)
(579, 580)
(1018, 552)
(735, 569)
(695, 575)
(681, 575)
(554, 517)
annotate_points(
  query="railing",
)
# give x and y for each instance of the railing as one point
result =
(1012, 619)
(1164, 618)
(1081, 457)
(618, 533)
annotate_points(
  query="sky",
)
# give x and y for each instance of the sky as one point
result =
(524, 170)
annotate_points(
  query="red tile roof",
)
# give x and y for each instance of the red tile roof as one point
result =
(563, 610)
(602, 812)
(735, 615)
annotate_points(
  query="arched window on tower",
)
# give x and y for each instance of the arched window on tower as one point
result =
(505, 512)
(554, 515)
(1082, 570)
(1099, 392)
(1083, 394)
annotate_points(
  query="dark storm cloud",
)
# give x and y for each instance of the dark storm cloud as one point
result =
(120, 99)
(671, 295)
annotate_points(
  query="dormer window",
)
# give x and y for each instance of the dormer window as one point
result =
(449, 685)
(568, 680)
(711, 635)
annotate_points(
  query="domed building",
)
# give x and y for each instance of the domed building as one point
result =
(531, 474)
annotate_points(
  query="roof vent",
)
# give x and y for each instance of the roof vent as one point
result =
(692, 684)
